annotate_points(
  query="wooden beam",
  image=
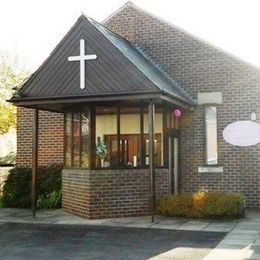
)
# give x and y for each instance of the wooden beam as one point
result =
(151, 157)
(72, 139)
(34, 160)
(170, 165)
(118, 136)
(80, 139)
(142, 147)
(165, 142)
(92, 138)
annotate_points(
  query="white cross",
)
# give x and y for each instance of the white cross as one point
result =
(82, 57)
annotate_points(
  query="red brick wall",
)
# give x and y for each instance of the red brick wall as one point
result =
(111, 193)
(199, 67)
(50, 137)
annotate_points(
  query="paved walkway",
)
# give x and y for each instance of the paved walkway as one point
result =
(241, 242)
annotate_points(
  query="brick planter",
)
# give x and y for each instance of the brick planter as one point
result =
(110, 193)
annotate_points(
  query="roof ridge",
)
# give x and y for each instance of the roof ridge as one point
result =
(128, 3)
(142, 50)
(195, 37)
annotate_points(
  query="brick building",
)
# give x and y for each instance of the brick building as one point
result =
(146, 71)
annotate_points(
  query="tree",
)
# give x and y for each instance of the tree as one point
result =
(11, 76)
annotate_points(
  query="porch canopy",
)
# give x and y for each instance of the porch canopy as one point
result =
(109, 71)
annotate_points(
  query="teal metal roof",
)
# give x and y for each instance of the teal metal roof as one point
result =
(145, 64)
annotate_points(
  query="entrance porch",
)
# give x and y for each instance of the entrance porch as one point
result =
(122, 124)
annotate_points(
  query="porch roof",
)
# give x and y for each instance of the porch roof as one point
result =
(121, 71)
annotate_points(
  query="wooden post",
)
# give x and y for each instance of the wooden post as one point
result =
(170, 163)
(176, 164)
(119, 159)
(151, 157)
(34, 159)
(142, 147)
(92, 137)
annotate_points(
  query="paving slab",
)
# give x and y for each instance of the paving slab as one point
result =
(165, 226)
(125, 220)
(242, 241)
(193, 225)
(220, 227)
(249, 226)
(139, 225)
(238, 236)
(242, 232)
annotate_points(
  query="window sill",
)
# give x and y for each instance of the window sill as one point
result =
(211, 169)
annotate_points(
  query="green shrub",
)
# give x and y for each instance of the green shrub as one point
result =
(17, 188)
(1, 203)
(49, 201)
(203, 205)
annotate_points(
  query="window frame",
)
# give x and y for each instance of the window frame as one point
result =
(92, 139)
(205, 106)
(72, 166)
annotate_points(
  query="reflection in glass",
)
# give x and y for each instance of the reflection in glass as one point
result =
(158, 143)
(84, 140)
(76, 139)
(130, 138)
(211, 135)
(106, 137)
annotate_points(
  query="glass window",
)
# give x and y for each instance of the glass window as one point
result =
(117, 138)
(106, 137)
(173, 122)
(84, 140)
(158, 144)
(76, 140)
(68, 139)
(130, 138)
(211, 135)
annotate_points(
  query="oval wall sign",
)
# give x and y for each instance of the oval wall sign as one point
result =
(242, 133)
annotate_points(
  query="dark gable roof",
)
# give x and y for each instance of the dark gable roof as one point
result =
(119, 69)
(135, 54)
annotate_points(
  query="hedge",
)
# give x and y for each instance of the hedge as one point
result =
(17, 188)
(203, 205)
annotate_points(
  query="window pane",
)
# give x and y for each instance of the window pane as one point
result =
(130, 136)
(68, 140)
(158, 145)
(84, 140)
(211, 135)
(76, 139)
(173, 122)
(106, 137)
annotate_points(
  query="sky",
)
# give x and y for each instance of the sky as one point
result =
(30, 29)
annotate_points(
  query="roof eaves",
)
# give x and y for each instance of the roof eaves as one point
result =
(161, 69)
